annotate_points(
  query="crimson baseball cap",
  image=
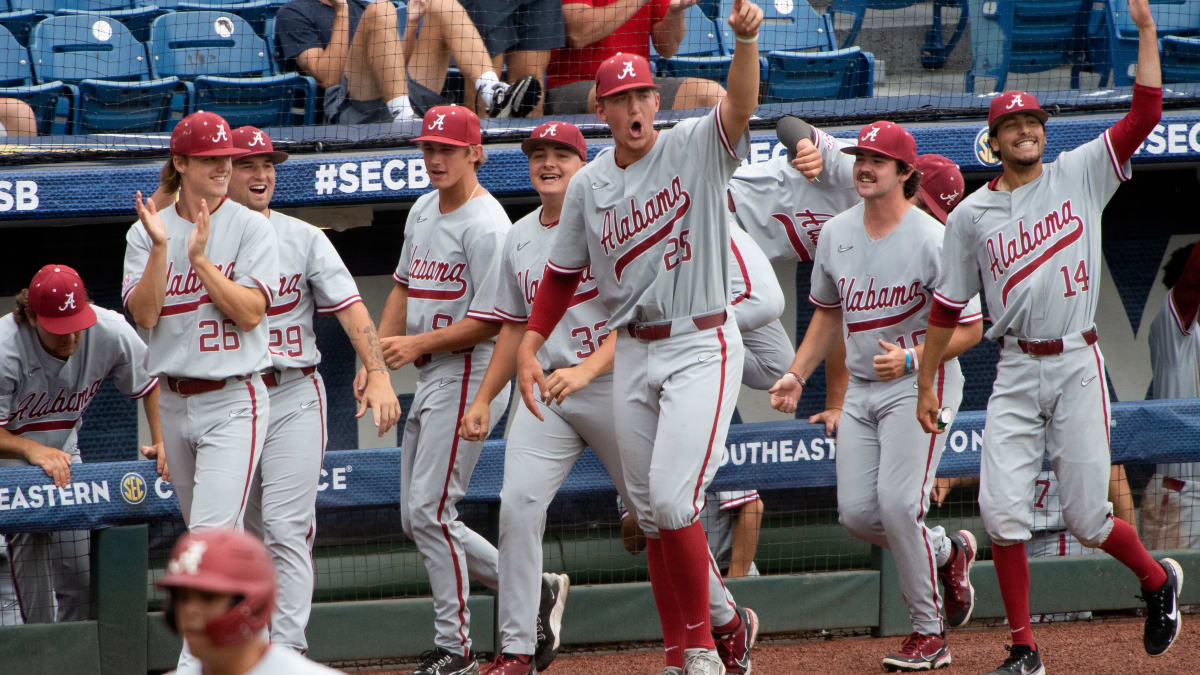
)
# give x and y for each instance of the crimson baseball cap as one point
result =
(556, 133)
(450, 124)
(59, 300)
(621, 72)
(1011, 102)
(942, 186)
(888, 139)
(203, 134)
(254, 142)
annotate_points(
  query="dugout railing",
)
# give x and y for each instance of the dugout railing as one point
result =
(126, 633)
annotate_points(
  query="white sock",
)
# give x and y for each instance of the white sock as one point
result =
(943, 554)
(401, 109)
(484, 85)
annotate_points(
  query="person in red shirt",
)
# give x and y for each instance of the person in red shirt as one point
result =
(598, 29)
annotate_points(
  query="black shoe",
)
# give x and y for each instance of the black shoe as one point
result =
(439, 661)
(1162, 611)
(517, 99)
(549, 620)
(1021, 661)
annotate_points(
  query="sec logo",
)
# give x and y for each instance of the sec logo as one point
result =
(133, 487)
(983, 152)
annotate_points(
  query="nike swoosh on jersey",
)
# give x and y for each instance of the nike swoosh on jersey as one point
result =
(704, 358)
(843, 249)
(522, 245)
(981, 214)
(421, 219)
(1085, 382)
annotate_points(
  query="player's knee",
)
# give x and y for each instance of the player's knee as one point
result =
(1004, 529)
(860, 519)
(672, 515)
(1089, 529)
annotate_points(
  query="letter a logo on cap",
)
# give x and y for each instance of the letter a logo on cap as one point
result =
(69, 303)
(551, 130)
(1016, 102)
(871, 135)
(220, 134)
(188, 561)
(258, 140)
(628, 71)
(438, 123)
(947, 197)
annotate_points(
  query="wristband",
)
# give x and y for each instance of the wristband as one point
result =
(907, 362)
(916, 363)
(748, 40)
(803, 382)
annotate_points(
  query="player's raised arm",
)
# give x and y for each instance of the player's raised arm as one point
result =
(145, 299)
(741, 98)
(1149, 71)
(1146, 108)
(244, 305)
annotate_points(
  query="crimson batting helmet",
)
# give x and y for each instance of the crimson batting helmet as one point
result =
(225, 561)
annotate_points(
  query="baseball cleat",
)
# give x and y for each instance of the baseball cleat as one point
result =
(734, 648)
(919, 652)
(1163, 619)
(439, 661)
(1022, 660)
(673, 670)
(549, 620)
(955, 576)
(517, 99)
(698, 661)
(511, 664)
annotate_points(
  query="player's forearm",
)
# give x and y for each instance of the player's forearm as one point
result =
(153, 420)
(823, 334)
(668, 34)
(503, 365)
(357, 324)
(146, 299)
(963, 338)
(394, 320)
(461, 334)
(13, 446)
(1149, 69)
(601, 361)
(741, 97)
(937, 340)
(837, 377)
(243, 305)
(584, 24)
(745, 539)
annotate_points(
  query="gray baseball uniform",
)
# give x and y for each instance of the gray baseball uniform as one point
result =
(757, 302)
(277, 660)
(720, 516)
(656, 236)
(449, 264)
(782, 210)
(213, 440)
(1171, 502)
(1038, 251)
(42, 398)
(283, 499)
(885, 461)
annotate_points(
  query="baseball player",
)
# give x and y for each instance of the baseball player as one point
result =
(221, 588)
(1170, 503)
(55, 350)
(441, 317)
(731, 519)
(649, 218)
(1031, 239)
(872, 279)
(198, 276)
(283, 498)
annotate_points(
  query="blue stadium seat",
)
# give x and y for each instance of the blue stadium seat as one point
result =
(808, 76)
(19, 21)
(255, 12)
(1180, 59)
(136, 19)
(1114, 36)
(934, 52)
(230, 68)
(101, 57)
(1026, 36)
(700, 54)
(16, 81)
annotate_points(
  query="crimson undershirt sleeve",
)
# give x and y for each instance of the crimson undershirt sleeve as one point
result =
(554, 294)
(1129, 131)
(942, 315)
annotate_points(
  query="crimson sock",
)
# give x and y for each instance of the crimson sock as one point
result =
(664, 599)
(1012, 573)
(1124, 545)
(686, 551)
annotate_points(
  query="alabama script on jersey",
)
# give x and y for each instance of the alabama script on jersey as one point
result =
(43, 397)
(450, 261)
(1031, 246)
(193, 338)
(884, 287)
(655, 233)
(310, 272)
(782, 210)
(582, 328)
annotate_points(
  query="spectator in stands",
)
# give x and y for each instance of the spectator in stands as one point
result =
(364, 71)
(730, 519)
(597, 29)
(519, 35)
(16, 118)
(1171, 502)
